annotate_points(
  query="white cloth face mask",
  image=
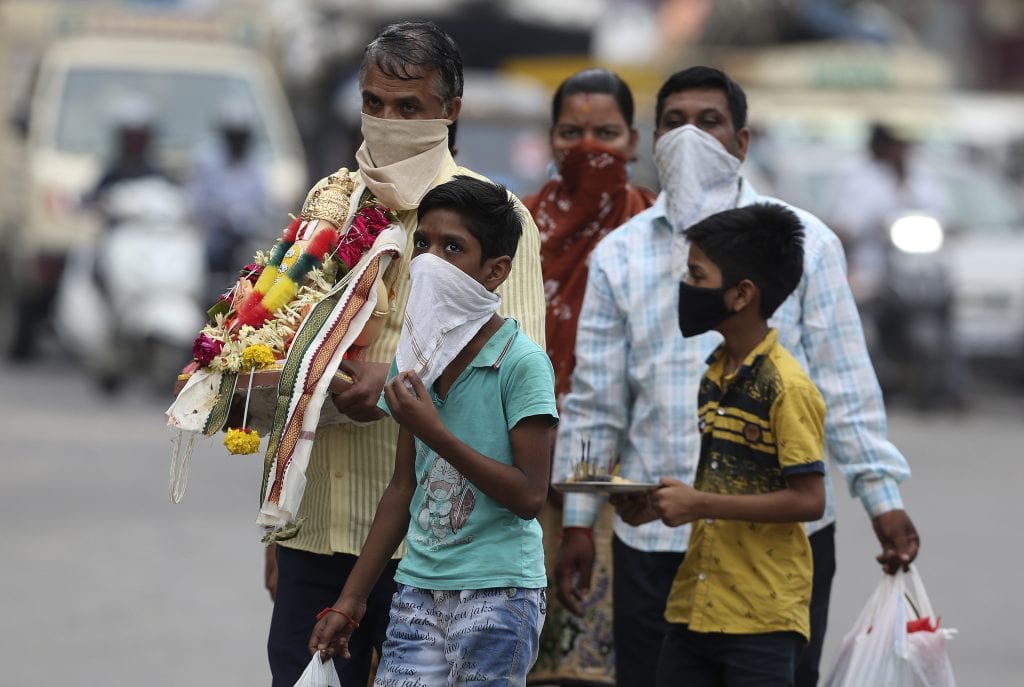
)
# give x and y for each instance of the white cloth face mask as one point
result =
(699, 178)
(446, 309)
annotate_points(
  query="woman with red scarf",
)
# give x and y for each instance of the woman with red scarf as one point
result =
(592, 140)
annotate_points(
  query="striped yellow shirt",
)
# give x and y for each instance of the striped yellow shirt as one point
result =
(351, 465)
(759, 425)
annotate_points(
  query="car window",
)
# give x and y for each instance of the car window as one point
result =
(981, 203)
(186, 105)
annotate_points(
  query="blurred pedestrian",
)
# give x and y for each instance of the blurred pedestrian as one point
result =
(230, 197)
(634, 390)
(593, 140)
(411, 80)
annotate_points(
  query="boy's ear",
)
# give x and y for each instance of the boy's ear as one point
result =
(496, 271)
(746, 292)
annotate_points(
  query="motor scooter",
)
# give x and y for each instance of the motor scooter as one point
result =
(129, 304)
(906, 312)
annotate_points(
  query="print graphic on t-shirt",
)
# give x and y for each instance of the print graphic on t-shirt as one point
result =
(448, 503)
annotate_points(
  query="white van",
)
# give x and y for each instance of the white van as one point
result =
(69, 139)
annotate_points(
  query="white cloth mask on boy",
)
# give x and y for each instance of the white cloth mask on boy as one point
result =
(400, 158)
(699, 178)
(446, 309)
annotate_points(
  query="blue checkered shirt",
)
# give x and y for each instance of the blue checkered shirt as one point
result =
(634, 388)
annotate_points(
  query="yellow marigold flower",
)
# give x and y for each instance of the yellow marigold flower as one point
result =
(242, 441)
(258, 356)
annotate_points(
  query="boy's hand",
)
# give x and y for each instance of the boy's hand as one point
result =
(413, 409)
(676, 503)
(634, 509)
(332, 632)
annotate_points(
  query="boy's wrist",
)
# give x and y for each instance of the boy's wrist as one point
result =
(704, 504)
(351, 597)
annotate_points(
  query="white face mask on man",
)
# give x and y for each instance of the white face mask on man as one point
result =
(400, 158)
(446, 309)
(699, 178)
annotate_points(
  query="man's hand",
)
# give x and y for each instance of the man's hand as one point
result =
(332, 632)
(413, 408)
(899, 540)
(270, 571)
(634, 509)
(574, 566)
(675, 503)
(358, 400)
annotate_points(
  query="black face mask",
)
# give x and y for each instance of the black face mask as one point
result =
(701, 310)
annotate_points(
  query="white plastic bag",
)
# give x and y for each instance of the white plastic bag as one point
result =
(881, 649)
(319, 674)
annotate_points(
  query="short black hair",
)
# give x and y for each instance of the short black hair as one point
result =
(763, 242)
(594, 80)
(405, 46)
(487, 210)
(881, 138)
(705, 77)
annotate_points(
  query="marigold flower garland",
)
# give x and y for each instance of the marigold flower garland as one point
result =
(244, 440)
(251, 331)
(272, 310)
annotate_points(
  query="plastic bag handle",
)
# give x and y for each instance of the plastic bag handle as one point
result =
(916, 595)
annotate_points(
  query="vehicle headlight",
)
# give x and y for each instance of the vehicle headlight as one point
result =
(916, 234)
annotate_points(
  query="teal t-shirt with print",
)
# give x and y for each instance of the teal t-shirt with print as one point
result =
(458, 537)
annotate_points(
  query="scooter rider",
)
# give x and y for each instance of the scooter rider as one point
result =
(875, 192)
(133, 121)
(133, 125)
(123, 300)
(905, 304)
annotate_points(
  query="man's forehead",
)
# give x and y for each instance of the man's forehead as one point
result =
(697, 99)
(411, 78)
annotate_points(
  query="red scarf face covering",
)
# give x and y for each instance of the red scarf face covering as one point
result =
(590, 199)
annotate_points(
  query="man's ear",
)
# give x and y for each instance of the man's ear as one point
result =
(743, 143)
(496, 271)
(455, 108)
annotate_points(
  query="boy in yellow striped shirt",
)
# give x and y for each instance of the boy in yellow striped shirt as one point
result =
(739, 605)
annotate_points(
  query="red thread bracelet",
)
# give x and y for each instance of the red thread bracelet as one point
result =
(332, 609)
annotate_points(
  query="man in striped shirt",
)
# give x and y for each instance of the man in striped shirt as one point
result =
(634, 389)
(411, 82)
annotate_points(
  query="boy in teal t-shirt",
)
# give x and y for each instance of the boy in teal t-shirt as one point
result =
(471, 467)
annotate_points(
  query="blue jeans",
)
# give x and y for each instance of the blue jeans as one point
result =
(474, 636)
(714, 659)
